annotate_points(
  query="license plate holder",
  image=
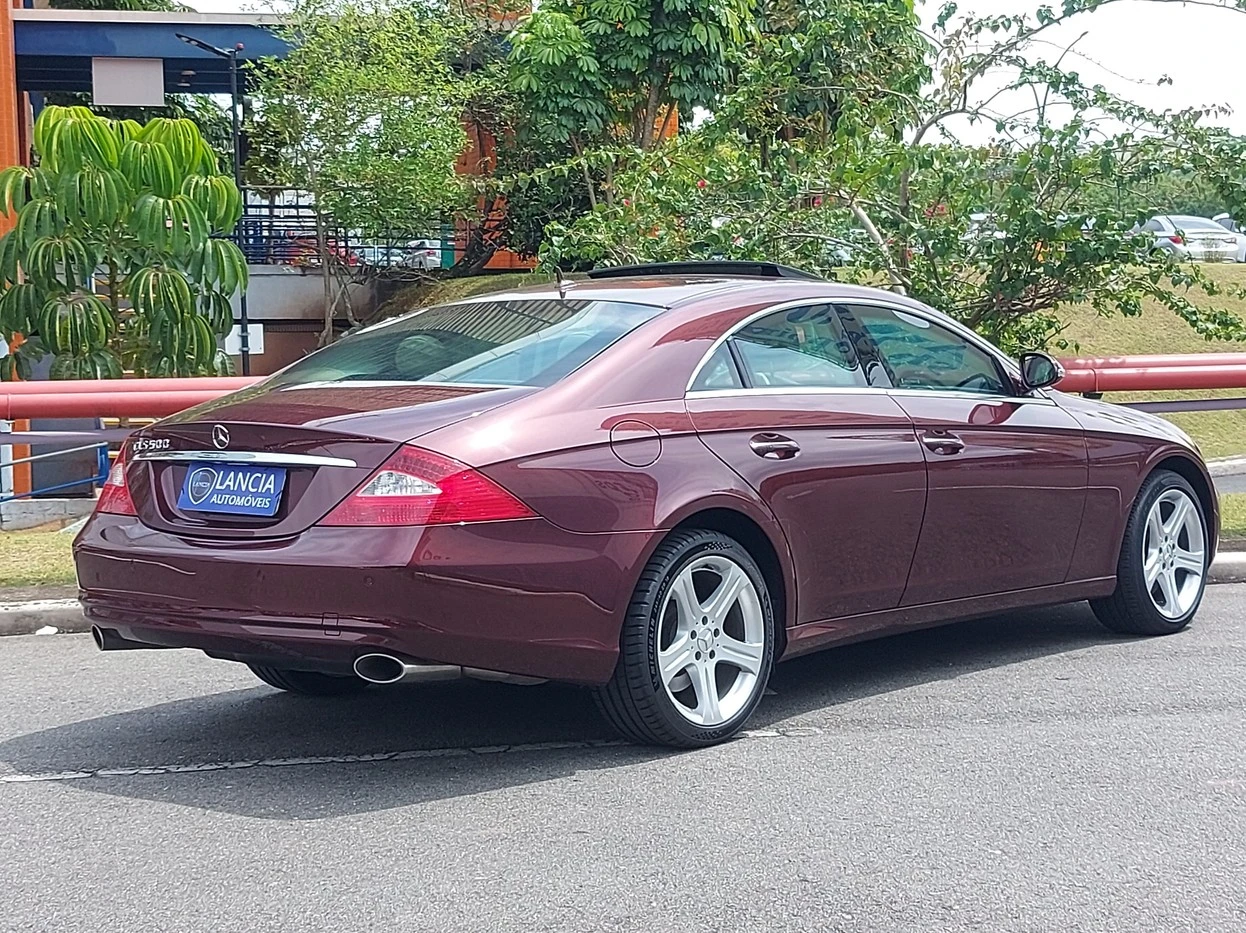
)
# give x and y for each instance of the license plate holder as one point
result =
(232, 489)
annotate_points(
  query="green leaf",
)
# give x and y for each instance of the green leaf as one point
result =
(75, 324)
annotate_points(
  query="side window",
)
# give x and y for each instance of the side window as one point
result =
(919, 354)
(1153, 226)
(719, 372)
(801, 347)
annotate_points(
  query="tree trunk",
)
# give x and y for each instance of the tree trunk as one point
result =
(322, 248)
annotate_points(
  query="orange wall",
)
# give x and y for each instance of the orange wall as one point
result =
(11, 154)
(10, 136)
(478, 159)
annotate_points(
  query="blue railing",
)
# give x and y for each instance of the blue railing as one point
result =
(97, 478)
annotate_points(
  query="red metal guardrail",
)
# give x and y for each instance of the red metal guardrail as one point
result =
(154, 398)
(111, 398)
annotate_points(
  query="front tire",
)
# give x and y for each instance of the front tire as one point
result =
(697, 645)
(308, 683)
(1162, 571)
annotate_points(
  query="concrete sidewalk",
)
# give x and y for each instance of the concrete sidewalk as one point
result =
(22, 615)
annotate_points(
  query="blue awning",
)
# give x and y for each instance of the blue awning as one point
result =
(54, 48)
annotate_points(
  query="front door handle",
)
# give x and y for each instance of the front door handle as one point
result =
(942, 442)
(773, 446)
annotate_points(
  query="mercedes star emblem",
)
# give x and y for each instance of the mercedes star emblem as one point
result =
(220, 436)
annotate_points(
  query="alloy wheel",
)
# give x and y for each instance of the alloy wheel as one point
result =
(1174, 554)
(711, 641)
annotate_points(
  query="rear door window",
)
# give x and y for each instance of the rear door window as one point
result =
(798, 347)
(719, 372)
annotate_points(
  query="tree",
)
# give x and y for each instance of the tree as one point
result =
(847, 161)
(116, 260)
(593, 81)
(622, 66)
(365, 114)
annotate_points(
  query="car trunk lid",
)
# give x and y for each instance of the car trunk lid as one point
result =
(318, 442)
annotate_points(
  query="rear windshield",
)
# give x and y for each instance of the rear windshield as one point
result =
(494, 343)
(1194, 223)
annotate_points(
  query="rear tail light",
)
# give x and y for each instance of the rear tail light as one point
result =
(418, 487)
(114, 494)
(1177, 238)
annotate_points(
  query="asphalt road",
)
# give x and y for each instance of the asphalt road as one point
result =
(1023, 773)
(1228, 484)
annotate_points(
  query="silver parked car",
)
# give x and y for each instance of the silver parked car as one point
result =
(1195, 238)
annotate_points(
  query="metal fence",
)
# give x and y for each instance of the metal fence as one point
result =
(278, 227)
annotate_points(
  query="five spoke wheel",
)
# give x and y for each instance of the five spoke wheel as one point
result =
(1174, 551)
(1162, 569)
(697, 644)
(711, 643)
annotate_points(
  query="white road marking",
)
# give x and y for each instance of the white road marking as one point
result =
(453, 752)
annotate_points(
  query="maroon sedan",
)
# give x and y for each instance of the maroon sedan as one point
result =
(656, 482)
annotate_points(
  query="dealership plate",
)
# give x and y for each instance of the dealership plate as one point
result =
(232, 489)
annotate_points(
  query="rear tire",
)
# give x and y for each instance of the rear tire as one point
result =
(697, 645)
(1162, 571)
(308, 683)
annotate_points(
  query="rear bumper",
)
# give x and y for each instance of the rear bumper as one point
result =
(522, 597)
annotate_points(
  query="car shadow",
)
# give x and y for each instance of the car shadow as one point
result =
(260, 753)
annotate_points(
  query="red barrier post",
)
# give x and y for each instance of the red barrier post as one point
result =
(102, 404)
(217, 384)
(1153, 378)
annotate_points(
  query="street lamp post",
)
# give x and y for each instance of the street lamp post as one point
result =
(235, 112)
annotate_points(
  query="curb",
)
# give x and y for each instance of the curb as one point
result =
(1229, 567)
(64, 616)
(42, 617)
(1226, 466)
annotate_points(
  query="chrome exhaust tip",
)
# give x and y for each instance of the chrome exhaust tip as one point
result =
(108, 639)
(387, 669)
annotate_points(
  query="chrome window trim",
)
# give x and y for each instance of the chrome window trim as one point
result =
(266, 458)
(784, 390)
(964, 395)
(929, 315)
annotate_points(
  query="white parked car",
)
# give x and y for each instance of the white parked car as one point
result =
(418, 254)
(422, 254)
(1196, 238)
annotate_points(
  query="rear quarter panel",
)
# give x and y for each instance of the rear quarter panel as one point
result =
(618, 469)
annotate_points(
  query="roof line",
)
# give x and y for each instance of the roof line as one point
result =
(143, 16)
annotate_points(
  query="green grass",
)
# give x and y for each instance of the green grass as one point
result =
(31, 558)
(1157, 330)
(1233, 515)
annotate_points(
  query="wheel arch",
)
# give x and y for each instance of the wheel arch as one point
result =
(754, 538)
(1194, 474)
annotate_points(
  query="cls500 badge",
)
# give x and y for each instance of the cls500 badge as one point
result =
(144, 444)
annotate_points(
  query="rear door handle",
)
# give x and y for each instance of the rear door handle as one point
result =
(774, 446)
(943, 442)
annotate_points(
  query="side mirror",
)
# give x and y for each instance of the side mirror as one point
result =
(1038, 370)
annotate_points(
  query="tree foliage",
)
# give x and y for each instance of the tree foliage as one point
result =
(836, 147)
(588, 79)
(622, 67)
(116, 259)
(365, 113)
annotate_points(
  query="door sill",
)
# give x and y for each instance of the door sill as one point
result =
(814, 635)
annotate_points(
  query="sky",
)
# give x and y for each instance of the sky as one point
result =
(1129, 46)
